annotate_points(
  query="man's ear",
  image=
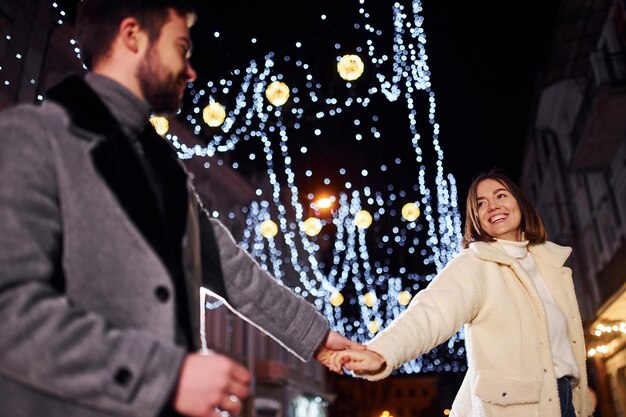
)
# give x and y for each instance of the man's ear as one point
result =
(131, 35)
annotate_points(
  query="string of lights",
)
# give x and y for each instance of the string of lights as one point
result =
(388, 233)
(358, 292)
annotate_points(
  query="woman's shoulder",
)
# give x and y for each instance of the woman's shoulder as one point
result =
(550, 252)
(465, 258)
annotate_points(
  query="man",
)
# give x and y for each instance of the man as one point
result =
(104, 246)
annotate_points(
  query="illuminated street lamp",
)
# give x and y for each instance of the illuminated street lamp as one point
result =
(323, 203)
(214, 114)
(161, 124)
(404, 298)
(277, 93)
(373, 326)
(369, 299)
(312, 226)
(410, 212)
(336, 299)
(350, 67)
(268, 229)
(363, 219)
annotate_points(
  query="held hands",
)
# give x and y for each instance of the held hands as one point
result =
(210, 383)
(334, 344)
(360, 361)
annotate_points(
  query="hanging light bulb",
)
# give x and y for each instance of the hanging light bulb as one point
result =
(404, 298)
(312, 226)
(350, 67)
(410, 212)
(336, 299)
(268, 229)
(373, 326)
(214, 114)
(161, 124)
(277, 93)
(363, 219)
(369, 299)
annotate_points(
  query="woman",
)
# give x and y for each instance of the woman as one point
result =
(509, 288)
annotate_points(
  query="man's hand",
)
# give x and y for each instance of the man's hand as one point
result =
(333, 344)
(209, 383)
(359, 361)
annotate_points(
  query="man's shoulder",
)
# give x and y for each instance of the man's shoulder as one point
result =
(31, 126)
(29, 113)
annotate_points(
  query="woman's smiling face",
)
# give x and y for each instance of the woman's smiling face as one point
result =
(498, 212)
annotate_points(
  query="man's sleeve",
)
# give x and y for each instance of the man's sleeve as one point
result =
(252, 293)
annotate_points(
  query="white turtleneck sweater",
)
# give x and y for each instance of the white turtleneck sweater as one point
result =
(562, 354)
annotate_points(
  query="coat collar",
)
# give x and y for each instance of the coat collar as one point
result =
(547, 252)
(122, 169)
(84, 107)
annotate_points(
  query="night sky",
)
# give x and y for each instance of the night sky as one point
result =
(483, 58)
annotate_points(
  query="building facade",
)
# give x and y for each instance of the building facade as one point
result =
(37, 49)
(574, 168)
(398, 396)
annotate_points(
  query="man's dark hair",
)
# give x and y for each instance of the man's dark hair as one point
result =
(531, 223)
(97, 22)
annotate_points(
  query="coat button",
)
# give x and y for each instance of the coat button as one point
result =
(162, 293)
(123, 376)
(504, 394)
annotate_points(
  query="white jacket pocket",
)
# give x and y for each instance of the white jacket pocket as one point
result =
(504, 390)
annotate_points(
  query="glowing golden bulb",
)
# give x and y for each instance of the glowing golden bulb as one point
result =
(363, 219)
(268, 229)
(410, 212)
(324, 203)
(214, 114)
(277, 93)
(336, 299)
(404, 298)
(350, 67)
(373, 326)
(161, 124)
(312, 226)
(369, 299)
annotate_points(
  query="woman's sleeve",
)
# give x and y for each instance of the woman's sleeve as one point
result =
(434, 315)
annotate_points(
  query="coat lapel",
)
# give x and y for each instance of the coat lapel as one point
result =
(492, 253)
(114, 158)
(550, 258)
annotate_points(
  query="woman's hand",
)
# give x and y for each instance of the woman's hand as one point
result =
(333, 344)
(360, 361)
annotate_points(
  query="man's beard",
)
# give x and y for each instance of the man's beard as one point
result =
(160, 88)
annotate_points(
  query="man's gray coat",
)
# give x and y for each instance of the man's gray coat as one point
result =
(88, 321)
